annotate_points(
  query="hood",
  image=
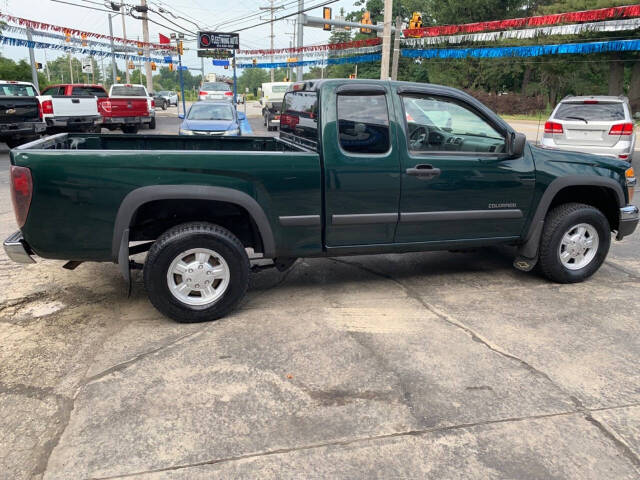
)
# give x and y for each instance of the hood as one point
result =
(541, 154)
(209, 125)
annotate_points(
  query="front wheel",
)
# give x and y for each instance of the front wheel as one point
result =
(196, 272)
(575, 241)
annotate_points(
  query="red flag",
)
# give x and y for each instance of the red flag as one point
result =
(164, 39)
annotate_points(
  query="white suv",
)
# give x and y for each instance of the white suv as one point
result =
(601, 125)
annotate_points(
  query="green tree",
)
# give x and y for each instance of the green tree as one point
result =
(252, 78)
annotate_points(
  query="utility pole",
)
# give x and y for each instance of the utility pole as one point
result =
(70, 68)
(396, 49)
(46, 65)
(386, 40)
(147, 52)
(299, 39)
(32, 58)
(114, 69)
(271, 9)
(124, 36)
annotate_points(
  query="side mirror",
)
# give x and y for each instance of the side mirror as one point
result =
(181, 116)
(241, 116)
(518, 142)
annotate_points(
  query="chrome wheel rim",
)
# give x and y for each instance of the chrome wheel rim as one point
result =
(198, 277)
(578, 246)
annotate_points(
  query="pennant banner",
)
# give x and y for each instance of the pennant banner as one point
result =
(34, 25)
(574, 29)
(349, 52)
(628, 11)
(526, 51)
(76, 40)
(327, 61)
(18, 42)
(314, 48)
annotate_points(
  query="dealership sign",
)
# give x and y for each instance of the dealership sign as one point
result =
(208, 40)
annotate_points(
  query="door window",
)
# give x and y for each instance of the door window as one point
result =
(436, 124)
(363, 123)
(299, 118)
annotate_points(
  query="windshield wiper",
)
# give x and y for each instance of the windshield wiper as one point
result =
(578, 118)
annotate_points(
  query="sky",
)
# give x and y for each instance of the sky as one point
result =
(219, 15)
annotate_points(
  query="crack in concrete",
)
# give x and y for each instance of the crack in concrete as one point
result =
(475, 336)
(408, 433)
(622, 269)
(617, 440)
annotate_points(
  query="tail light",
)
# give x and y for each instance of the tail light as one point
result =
(631, 181)
(153, 103)
(202, 93)
(21, 191)
(621, 129)
(590, 102)
(553, 127)
(105, 106)
(47, 107)
(228, 94)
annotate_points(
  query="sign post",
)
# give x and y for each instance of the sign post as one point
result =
(184, 103)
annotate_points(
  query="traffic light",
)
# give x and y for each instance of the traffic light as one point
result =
(254, 61)
(84, 39)
(366, 19)
(326, 14)
(171, 67)
(67, 36)
(153, 65)
(415, 21)
(38, 65)
(117, 79)
(130, 65)
(180, 48)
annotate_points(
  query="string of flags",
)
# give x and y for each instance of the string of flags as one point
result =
(369, 42)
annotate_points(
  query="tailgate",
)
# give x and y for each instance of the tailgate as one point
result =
(19, 109)
(74, 106)
(591, 133)
(129, 107)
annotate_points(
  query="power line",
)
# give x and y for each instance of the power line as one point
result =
(329, 2)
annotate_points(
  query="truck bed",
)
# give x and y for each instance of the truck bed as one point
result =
(99, 141)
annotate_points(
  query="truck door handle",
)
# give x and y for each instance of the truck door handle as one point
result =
(75, 100)
(424, 171)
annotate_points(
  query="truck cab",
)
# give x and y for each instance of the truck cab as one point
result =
(20, 113)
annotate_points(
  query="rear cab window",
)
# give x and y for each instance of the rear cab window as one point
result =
(216, 87)
(128, 91)
(13, 90)
(299, 118)
(88, 92)
(363, 123)
(590, 112)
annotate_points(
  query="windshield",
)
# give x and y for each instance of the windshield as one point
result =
(164, 93)
(214, 111)
(590, 111)
(216, 87)
(12, 90)
(128, 91)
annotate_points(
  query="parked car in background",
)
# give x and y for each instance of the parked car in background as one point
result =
(211, 118)
(128, 108)
(215, 91)
(71, 107)
(170, 96)
(20, 114)
(271, 101)
(160, 101)
(601, 125)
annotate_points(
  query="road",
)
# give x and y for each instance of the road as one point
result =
(426, 365)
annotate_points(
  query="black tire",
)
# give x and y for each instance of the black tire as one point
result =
(557, 223)
(152, 124)
(164, 105)
(180, 239)
(130, 129)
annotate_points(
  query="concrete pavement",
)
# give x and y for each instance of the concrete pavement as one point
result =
(425, 365)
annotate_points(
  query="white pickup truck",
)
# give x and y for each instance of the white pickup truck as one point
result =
(64, 110)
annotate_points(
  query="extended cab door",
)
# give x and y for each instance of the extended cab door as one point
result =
(361, 165)
(458, 181)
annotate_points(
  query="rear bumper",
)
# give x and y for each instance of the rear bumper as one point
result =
(17, 249)
(629, 217)
(24, 129)
(68, 122)
(621, 149)
(126, 120)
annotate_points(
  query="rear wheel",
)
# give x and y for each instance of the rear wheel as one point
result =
(130, 129)
(152, 124)
(575, 241)
(196, 272)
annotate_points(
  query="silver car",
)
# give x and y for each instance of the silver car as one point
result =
(601, 125)
(215, 91)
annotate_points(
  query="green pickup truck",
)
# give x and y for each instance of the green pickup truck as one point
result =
(360, 167)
